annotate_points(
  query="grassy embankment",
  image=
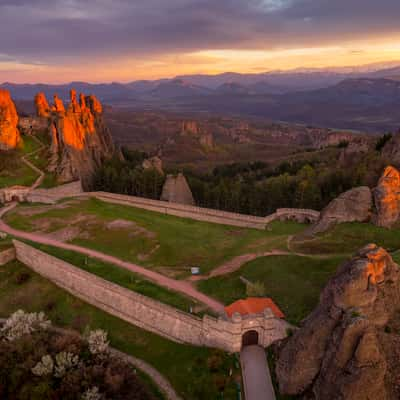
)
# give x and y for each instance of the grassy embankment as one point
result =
(195, 372)
(122, 277)
(166, 243)
(13, 171)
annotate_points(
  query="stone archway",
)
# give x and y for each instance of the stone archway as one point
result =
(250, 338)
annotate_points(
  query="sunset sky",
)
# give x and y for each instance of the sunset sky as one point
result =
(125, 40)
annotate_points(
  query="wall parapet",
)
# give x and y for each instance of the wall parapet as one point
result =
(150, 314)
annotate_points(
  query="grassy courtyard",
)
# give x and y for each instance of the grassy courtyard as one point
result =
(293, 282)
(196, 373)
(163, 242)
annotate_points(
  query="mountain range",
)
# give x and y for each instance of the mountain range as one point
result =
(361, 99)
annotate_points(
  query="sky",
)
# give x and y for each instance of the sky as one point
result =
(54, 41)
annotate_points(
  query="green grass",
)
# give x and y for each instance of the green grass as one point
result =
(293, 282)
(119, 276)
(349, 238)
(5, 244)
(15, 172)
(166, 241)
(187, 367)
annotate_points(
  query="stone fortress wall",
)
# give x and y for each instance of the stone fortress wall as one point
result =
(149, 314)
(74, 189)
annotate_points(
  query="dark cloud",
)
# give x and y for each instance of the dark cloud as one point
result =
(60, 30)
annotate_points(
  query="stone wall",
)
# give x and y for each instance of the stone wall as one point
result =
(51, 196)
(7, 255)
(147, 313)
(185, 211)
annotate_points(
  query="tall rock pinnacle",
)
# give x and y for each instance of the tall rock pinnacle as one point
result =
(9, 134)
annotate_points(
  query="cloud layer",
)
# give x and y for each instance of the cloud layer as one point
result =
(61, 32)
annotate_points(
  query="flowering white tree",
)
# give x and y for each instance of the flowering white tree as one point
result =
(64, 362)
(92, 394)
(97, 340)
(21, 323)
(44, 367)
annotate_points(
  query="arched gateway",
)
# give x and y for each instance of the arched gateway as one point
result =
(250, 338)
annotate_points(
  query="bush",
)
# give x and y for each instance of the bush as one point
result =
(22, 277)
(40, 363)
(256, 289)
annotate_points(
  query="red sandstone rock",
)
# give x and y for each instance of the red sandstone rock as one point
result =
(80, 139)
(42, 106)
(339, 352)
(9, 135)
(387, 198)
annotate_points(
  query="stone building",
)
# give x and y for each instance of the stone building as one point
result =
(14, 193)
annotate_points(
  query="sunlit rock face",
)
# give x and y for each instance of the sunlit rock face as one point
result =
(344, 348)
(9, 134)
(80, 140)
(387, 198)
(42, 106)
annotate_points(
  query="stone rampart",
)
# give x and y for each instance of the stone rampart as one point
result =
(147, 313)
(7, 255)
(185, 211)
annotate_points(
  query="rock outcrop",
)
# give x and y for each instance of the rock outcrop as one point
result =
(10, 137)
(344, 349)
(177, 190)
(153, 163)
(192, 128)
(391, 150)
(80, 140)
(387, 198)
(42, 106)
(354, 205)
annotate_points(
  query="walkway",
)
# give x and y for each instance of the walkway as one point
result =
(257, 380)
(178, 286)
(25, 160)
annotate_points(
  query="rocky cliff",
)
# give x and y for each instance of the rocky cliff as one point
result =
(355, 205)
(347, 349)
(9, 134)
(177, 190)
(80, 140)
(387, 198)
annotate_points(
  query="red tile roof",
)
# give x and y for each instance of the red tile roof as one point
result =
(253, 305)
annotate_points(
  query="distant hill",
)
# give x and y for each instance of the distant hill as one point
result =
(350, 99)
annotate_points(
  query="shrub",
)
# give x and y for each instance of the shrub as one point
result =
(256, 289)
(22, 277)
(97, 341)
(21, 323)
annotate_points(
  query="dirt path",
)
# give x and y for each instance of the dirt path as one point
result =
(25, 160)
(172, 284)
(236, 263)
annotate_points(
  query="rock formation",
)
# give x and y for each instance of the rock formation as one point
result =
(177, 190)
(153, 163)
(344, 350)
(9, 134)
(42, 106)
(353, 205)
(192, 128)
(80, 140)
(387, 198)
(391, 150)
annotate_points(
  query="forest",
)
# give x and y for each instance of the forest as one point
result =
(255, 188)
